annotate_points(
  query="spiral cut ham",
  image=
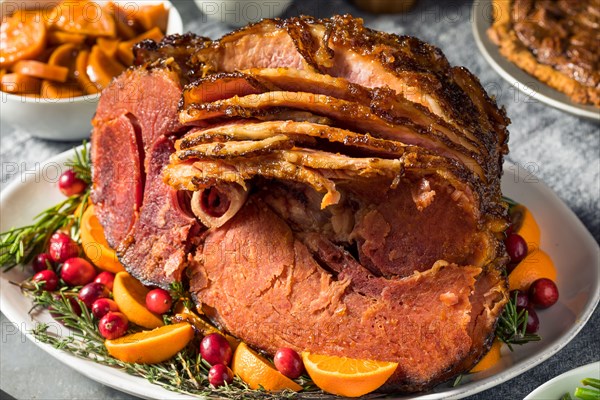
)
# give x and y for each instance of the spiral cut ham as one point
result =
(318, 185)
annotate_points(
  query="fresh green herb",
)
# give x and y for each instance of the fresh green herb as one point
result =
(82, 164)
(511, 203)
(19, 245)
(458, 380)
(512, 325)
(566, 396)
(185, 373)
(179, 293)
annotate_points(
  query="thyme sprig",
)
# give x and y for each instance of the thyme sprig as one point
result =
(512, 325)
(19, 245)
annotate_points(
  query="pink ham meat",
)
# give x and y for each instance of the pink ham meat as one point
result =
(318, 185)
(118, 187)
(136, 109)
(350, 313)
(159, 242)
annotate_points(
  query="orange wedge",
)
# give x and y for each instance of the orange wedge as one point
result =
(151, 347)
(258, 372)
(490, 359)
(130, 296)
(525, 225)
(536, 265)
(345, 376)
(94, 244)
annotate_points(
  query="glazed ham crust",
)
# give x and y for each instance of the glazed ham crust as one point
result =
(318, 185)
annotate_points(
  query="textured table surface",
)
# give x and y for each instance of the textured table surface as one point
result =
(563, 150)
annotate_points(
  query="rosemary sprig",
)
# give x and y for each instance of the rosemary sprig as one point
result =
(185, 373)
(19, 245)
(512, 325)
(81, 164)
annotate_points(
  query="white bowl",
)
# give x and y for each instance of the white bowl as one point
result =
(63, 119)
(241, 12)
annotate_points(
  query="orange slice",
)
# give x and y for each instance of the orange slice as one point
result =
(525, 225)
(490, 359)
(536, 265)
(258, 372)
(82, 17)
(345, 376)
(130, 296)
(151, 347)
(94, 244)
(22, 36)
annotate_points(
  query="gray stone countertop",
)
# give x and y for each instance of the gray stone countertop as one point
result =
(563, 149)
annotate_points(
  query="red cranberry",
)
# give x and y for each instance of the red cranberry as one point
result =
(215, 349)
(522, 298)
(516, 247)
(92, 292)
(543, 293)
(77, 272)
(69, 184)
(48, 277)
(533, 322)
(102, 306)
(113, 325)
(106, 278)
(42, 262)
(72, 301)
(220, 374)
(158, 301)
(288, 362)
(62, 247)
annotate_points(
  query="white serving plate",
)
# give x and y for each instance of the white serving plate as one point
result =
(529, 85)
(63, 119)
(565, 383)
(564, 238)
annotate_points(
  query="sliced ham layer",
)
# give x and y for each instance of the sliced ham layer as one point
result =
(155, 250)
(351, 313)
(118, 187)
(348, 114)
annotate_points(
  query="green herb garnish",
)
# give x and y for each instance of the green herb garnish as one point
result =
(512, 325)
(19, 245)
(184, 373)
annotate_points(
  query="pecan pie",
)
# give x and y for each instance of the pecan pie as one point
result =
(558, 42)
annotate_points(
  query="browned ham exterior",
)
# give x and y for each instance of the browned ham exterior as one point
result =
(317, 185)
